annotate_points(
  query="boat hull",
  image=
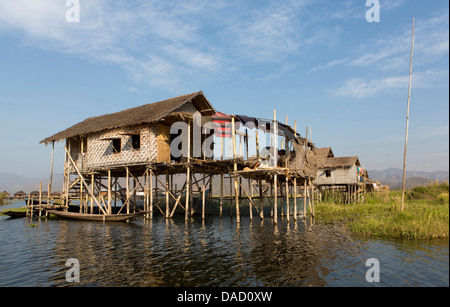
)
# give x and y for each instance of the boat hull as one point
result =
(94, 217)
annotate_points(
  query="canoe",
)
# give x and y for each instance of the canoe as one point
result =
(94, 217)
(15, 214)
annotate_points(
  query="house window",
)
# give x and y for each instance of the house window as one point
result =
(136, 141)
(116, 145)
(328, 173)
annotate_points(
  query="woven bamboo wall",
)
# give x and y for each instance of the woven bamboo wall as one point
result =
(100, 151)
(339, 175)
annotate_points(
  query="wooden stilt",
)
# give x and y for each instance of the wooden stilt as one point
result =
(261, 199)
(287, 198)
(40, 197)
(30, 200)
(203, 197)
(127, 189)
(167, 195)
(295, 198)
(92, 193)
(221, 195)
(109, 192)
(304, 200)
(151, 195)
(275, 200)
(188, 173)
(233, 129)
(249, 204)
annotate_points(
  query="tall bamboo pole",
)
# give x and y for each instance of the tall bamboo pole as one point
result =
(167, 195)
(275, 162)
(236, 187)
(109, 192)
(188, 174)
(407, 117)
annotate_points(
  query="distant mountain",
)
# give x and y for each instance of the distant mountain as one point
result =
(13, 183)
(394, 177)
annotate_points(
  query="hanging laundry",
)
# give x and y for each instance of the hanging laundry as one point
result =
(222, 125)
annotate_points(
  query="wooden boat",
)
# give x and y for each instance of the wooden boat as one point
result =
(15, 214)
(95, 217)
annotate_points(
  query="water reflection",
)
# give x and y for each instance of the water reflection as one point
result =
(213, 252)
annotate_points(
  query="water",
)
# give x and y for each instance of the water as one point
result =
(215, 252)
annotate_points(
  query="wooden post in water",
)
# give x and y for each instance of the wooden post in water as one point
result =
(275, 162)
(236, 187)
(188, 173)
(40, 197)
(92, 193)
(167, 195)
(304, 199)
(261, 199)
(287, 197)
(275, 200)
(221, 194)
(28, 206)
(407, 118)
(151, 194)
(295, 198)
(109, 192)
(203, 197)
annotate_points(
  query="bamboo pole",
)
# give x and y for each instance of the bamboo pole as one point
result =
(249, 204)
(92, 192)
(221, 195)
(167, 195)
(188, 175)
(151, 195)
(109, 192)
(48, 196)
(40, 197)
(30, 200)
(81, 198)
(233, 129)
(295, 198)
(275, 162)
(83, 181)
(257, 144)
(304, 200)
(275, 200)
(203, 197)
(127, 189)
(261, 199)
(287, 197)
(407, 118)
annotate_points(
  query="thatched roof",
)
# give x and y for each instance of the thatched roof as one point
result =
(341, 162)
(322, 154)
(130, 117)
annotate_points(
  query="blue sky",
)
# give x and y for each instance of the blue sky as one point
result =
(319, 62)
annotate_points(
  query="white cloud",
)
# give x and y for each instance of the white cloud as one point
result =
(360, 88)
(153, 43)
(269, 34)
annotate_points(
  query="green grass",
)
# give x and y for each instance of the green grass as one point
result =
(22, 209)
(425, 214)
